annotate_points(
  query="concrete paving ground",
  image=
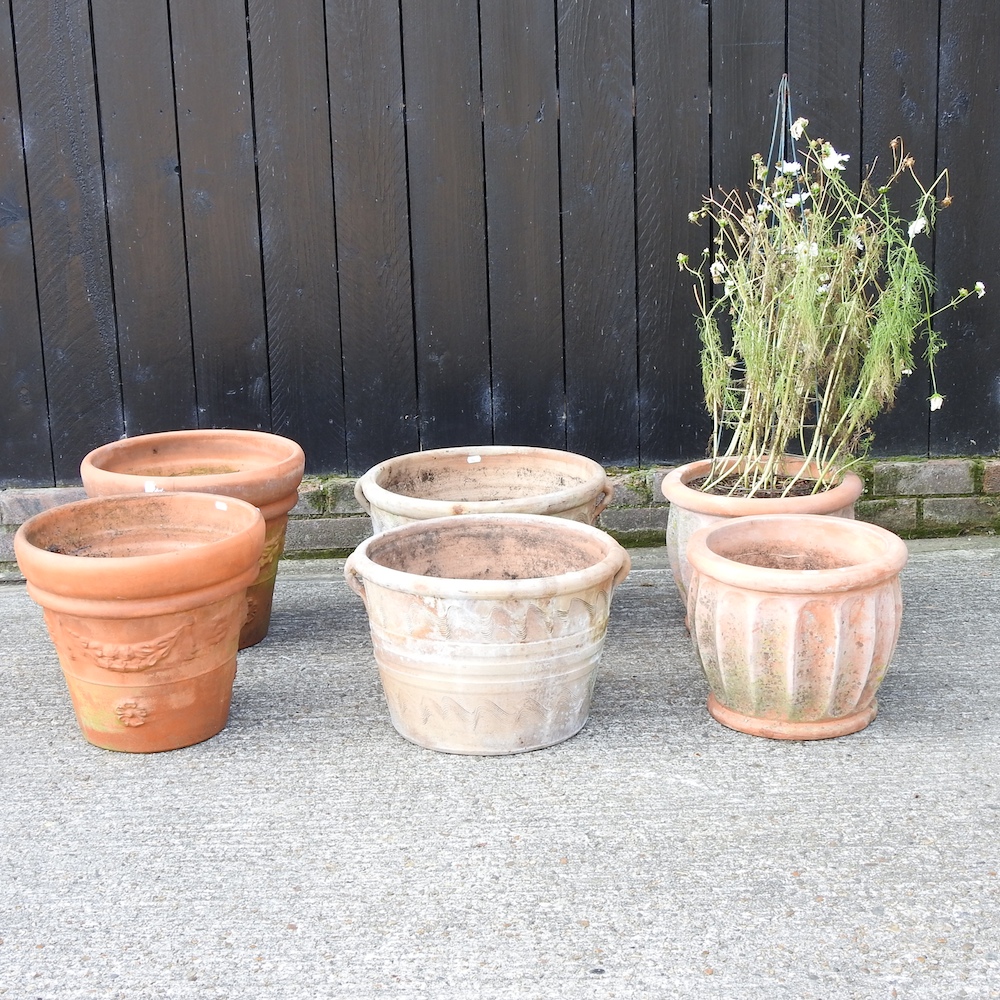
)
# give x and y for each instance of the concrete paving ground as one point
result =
(308, 851)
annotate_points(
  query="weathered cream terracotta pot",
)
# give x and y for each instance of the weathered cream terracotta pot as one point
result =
(691, 509)
(144, 598)
(260, 468)
(488, 628)
(493, 479)
(794, 619)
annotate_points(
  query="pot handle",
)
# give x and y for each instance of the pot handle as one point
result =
(354, 580)
(604, 499)
(359, 495)
(626, 568)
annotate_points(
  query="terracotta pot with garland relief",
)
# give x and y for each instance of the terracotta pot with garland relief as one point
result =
(144, 598)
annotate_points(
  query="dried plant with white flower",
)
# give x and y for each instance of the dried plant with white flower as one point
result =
(823, 297)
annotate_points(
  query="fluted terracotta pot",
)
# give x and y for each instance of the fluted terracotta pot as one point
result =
(260, 468)
(691, 509)
(492, 479)
(488, 628)
(794, 619)
(144, 598)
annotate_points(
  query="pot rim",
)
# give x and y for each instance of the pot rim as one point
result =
(615, 562)
(198, 565)
(675, 489)
(283, 461)
(890, 559)
(542, 503)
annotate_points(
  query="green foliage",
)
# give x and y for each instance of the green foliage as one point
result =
(809, 307)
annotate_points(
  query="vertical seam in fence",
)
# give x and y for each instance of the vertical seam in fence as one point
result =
(486, 222)
(336, 243)
(260, 224)
(562, 247)
(635, 248)
(784, 54)
(31, 231)
(929, 416)
(409, 231)
(107, 214)
(710, 62)
(183, 207)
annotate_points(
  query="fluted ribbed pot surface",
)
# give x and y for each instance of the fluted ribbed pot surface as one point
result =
(794, 619)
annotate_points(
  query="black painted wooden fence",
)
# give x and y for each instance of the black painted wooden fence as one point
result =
(383, 225)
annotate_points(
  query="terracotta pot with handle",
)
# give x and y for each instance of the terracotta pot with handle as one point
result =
(260, 468)
(144, 598)
(492, 479)
(488, 628)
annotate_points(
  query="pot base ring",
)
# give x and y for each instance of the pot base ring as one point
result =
(780, 729)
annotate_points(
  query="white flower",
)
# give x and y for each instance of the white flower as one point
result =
(693, 216)
(936, 400)
(907, 371)
(790, 168)
(796, 199)
(682, 259)
(798, 126)
(918, 225)
(979, 289)
(805, 250)
(717, 269)
(832, 160)
(728, 289)
(823, 289)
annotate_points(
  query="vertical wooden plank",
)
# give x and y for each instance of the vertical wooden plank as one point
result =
(139, 131)
(25, 450)
(522, 201)
(672, 174)
(900, 99)
(748, 59)
(288, 60)
(598, 204)
(218, 180)
(968, 239)
(66, 191)
(373, 253)
(444, 118)
(825, 48)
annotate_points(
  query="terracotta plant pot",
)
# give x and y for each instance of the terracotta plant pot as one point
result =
(691, 509)
(794, 619)
(488, 629)
(260, 468)
(144, 598)
(492, 479)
